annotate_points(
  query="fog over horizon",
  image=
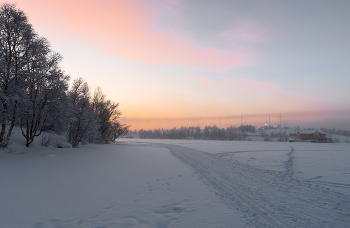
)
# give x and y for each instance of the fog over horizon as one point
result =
(289, 120)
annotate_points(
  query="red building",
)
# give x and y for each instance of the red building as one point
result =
(312, 135)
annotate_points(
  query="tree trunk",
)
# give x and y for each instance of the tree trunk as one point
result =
(3, 140)
(13, 121)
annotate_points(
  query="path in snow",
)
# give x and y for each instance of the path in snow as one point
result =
(267, 198)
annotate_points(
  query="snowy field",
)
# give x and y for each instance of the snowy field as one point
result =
(176, 183)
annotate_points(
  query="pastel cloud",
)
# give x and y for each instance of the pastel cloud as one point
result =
(124, 29)
(240, 84)
(248, 31)
(284, 101)
(170, 8)
(193, 77)
(250, 85)
(251, 96)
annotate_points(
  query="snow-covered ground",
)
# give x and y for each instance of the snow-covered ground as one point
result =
(176, 183)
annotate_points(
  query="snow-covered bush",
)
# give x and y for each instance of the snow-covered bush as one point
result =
(62, 145)
(46, 140)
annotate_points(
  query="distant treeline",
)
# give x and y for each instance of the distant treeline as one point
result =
(208, 133)
(216, 133)
(336, 131)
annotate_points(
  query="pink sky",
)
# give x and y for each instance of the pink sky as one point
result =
(124, 29)
(174, 62)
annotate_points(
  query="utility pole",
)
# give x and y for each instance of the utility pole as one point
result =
(280, 127)
(280, 121)
(285, 129)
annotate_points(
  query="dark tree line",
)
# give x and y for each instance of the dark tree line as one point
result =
(35, 93)
(336, 131)
(282, 136)
(208, 133)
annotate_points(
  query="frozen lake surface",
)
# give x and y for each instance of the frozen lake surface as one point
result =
(177, 183)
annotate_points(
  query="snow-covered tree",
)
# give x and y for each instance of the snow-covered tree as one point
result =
(107, 113)
(15, 37)
(118, 129)
(44, 89)
(34, 90)
(83, 122)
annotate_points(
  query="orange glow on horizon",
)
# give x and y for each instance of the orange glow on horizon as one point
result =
(257, 120)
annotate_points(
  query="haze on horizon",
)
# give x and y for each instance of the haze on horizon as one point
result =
(178, 63)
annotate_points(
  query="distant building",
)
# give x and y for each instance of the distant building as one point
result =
(313, 135)
(293, 137)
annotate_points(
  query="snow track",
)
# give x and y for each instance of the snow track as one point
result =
(289, 172)
(267, 198)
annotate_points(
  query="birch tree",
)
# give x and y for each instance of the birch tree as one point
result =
(107, 113)
(83, 123)
(44, 89)
(15, 36)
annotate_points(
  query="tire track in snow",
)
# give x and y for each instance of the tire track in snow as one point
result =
(258, 215)
(288, 175)
(267, 198)
(231, 154)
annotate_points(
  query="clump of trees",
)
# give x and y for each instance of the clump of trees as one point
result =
(35, 93)
(208, 133)
(336, 131)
